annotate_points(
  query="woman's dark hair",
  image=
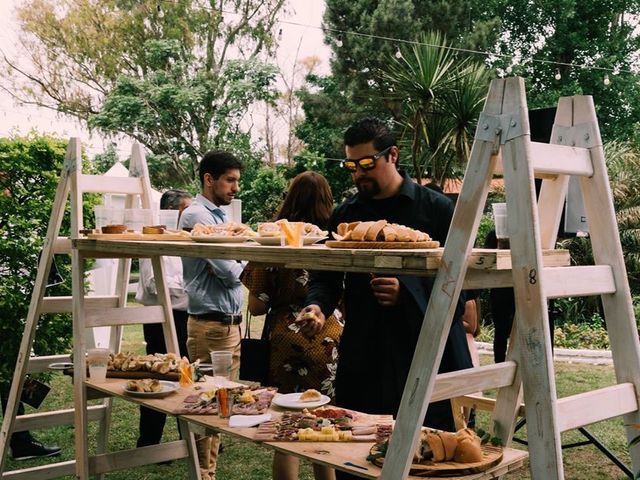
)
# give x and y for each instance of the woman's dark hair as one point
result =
(309, 199)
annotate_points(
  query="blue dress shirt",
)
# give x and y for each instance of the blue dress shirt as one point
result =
(212, 285)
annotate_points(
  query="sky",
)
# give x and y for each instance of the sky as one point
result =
(301, 37)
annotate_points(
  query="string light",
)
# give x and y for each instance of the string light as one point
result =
(340, 33)
(398, 53)
(606, 79)
(160, 11)
(557, 76)
(280, 35)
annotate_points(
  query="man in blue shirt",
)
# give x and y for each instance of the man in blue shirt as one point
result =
(213, 286)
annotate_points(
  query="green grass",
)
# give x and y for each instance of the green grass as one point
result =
(242, 460)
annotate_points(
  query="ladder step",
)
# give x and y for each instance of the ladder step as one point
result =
(43, 472)
(126, 459)
(34, 421)
(579, 281)
(549, 159)
(41, 363)
(595, 406)
(124, 316)
(472, 380)
(62, 246)
(98, 184)
(64, 304)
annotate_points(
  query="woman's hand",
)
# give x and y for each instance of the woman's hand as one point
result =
(311, 320)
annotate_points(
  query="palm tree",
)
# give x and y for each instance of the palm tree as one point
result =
(441, 97)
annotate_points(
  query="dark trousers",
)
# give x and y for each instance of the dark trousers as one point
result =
(151, 421)
(18, 438)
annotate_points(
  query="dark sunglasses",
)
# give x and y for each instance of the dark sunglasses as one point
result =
(365, 163)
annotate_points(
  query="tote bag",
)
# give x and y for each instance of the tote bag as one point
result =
(254, 355)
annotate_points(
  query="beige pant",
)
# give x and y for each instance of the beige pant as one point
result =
(203, 338)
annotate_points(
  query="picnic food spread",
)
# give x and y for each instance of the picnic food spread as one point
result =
(230, 229)
(247, 401)
(306, 426)
(274, 229)
(379, 234)
(144, 385)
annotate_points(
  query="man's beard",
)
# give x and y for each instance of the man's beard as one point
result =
(367, 187)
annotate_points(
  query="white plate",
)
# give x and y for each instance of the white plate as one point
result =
(275, 241)
(60, 365)
(214, 239)
(167, 388)
(292, 400)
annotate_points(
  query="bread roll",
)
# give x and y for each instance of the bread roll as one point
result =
(450, 444)
(372, 232)
(153, 229)
(360, 231)
(310, 395)
(435, 445)
(468, 450)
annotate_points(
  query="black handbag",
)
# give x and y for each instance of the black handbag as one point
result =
(254, 355)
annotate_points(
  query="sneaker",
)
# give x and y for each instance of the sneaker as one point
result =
(34, 449)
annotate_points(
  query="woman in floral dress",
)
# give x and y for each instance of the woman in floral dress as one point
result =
(297, 362)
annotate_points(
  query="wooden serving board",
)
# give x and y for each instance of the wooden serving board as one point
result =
(167, 237)
(491, 456)
(383, 245)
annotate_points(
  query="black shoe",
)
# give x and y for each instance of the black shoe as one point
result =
(34, 449)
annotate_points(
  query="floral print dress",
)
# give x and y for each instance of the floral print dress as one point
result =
(297, 362)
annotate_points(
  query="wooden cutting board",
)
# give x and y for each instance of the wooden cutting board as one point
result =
(166, 237)
(382, 245)
(491, 456)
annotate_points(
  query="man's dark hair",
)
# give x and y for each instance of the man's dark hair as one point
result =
(217, 162)
(370, 130)
(171, 199)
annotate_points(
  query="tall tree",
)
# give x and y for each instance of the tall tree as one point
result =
(177, 76)
(589, 35)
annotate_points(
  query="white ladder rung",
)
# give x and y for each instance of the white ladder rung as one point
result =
(41, 363)
(34, 421)
(64, 304)
(42, 472)
(124, 316)
(471, 380)
(549, 159)
(123, 185)
(595, 406)
(579, 281)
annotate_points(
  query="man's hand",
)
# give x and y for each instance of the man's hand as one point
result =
(311, 320)
(386, 290)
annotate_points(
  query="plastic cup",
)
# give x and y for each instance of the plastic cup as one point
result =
(97, 359)
(221, 362)
(295, 239)
(500, 219)
(108, 216)
(136, 218)
(225, 402)
(168, 218)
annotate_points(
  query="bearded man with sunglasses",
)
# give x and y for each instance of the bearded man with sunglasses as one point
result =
(383, 315)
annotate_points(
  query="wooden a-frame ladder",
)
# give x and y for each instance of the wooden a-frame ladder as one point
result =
(72, 185)
(503, 140)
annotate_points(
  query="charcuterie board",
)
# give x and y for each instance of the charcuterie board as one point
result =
(491, 456)
(382, 245)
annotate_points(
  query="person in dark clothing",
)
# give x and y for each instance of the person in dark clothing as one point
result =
(151, 421)
(383, 315)
(503, 307)
(23, 445)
